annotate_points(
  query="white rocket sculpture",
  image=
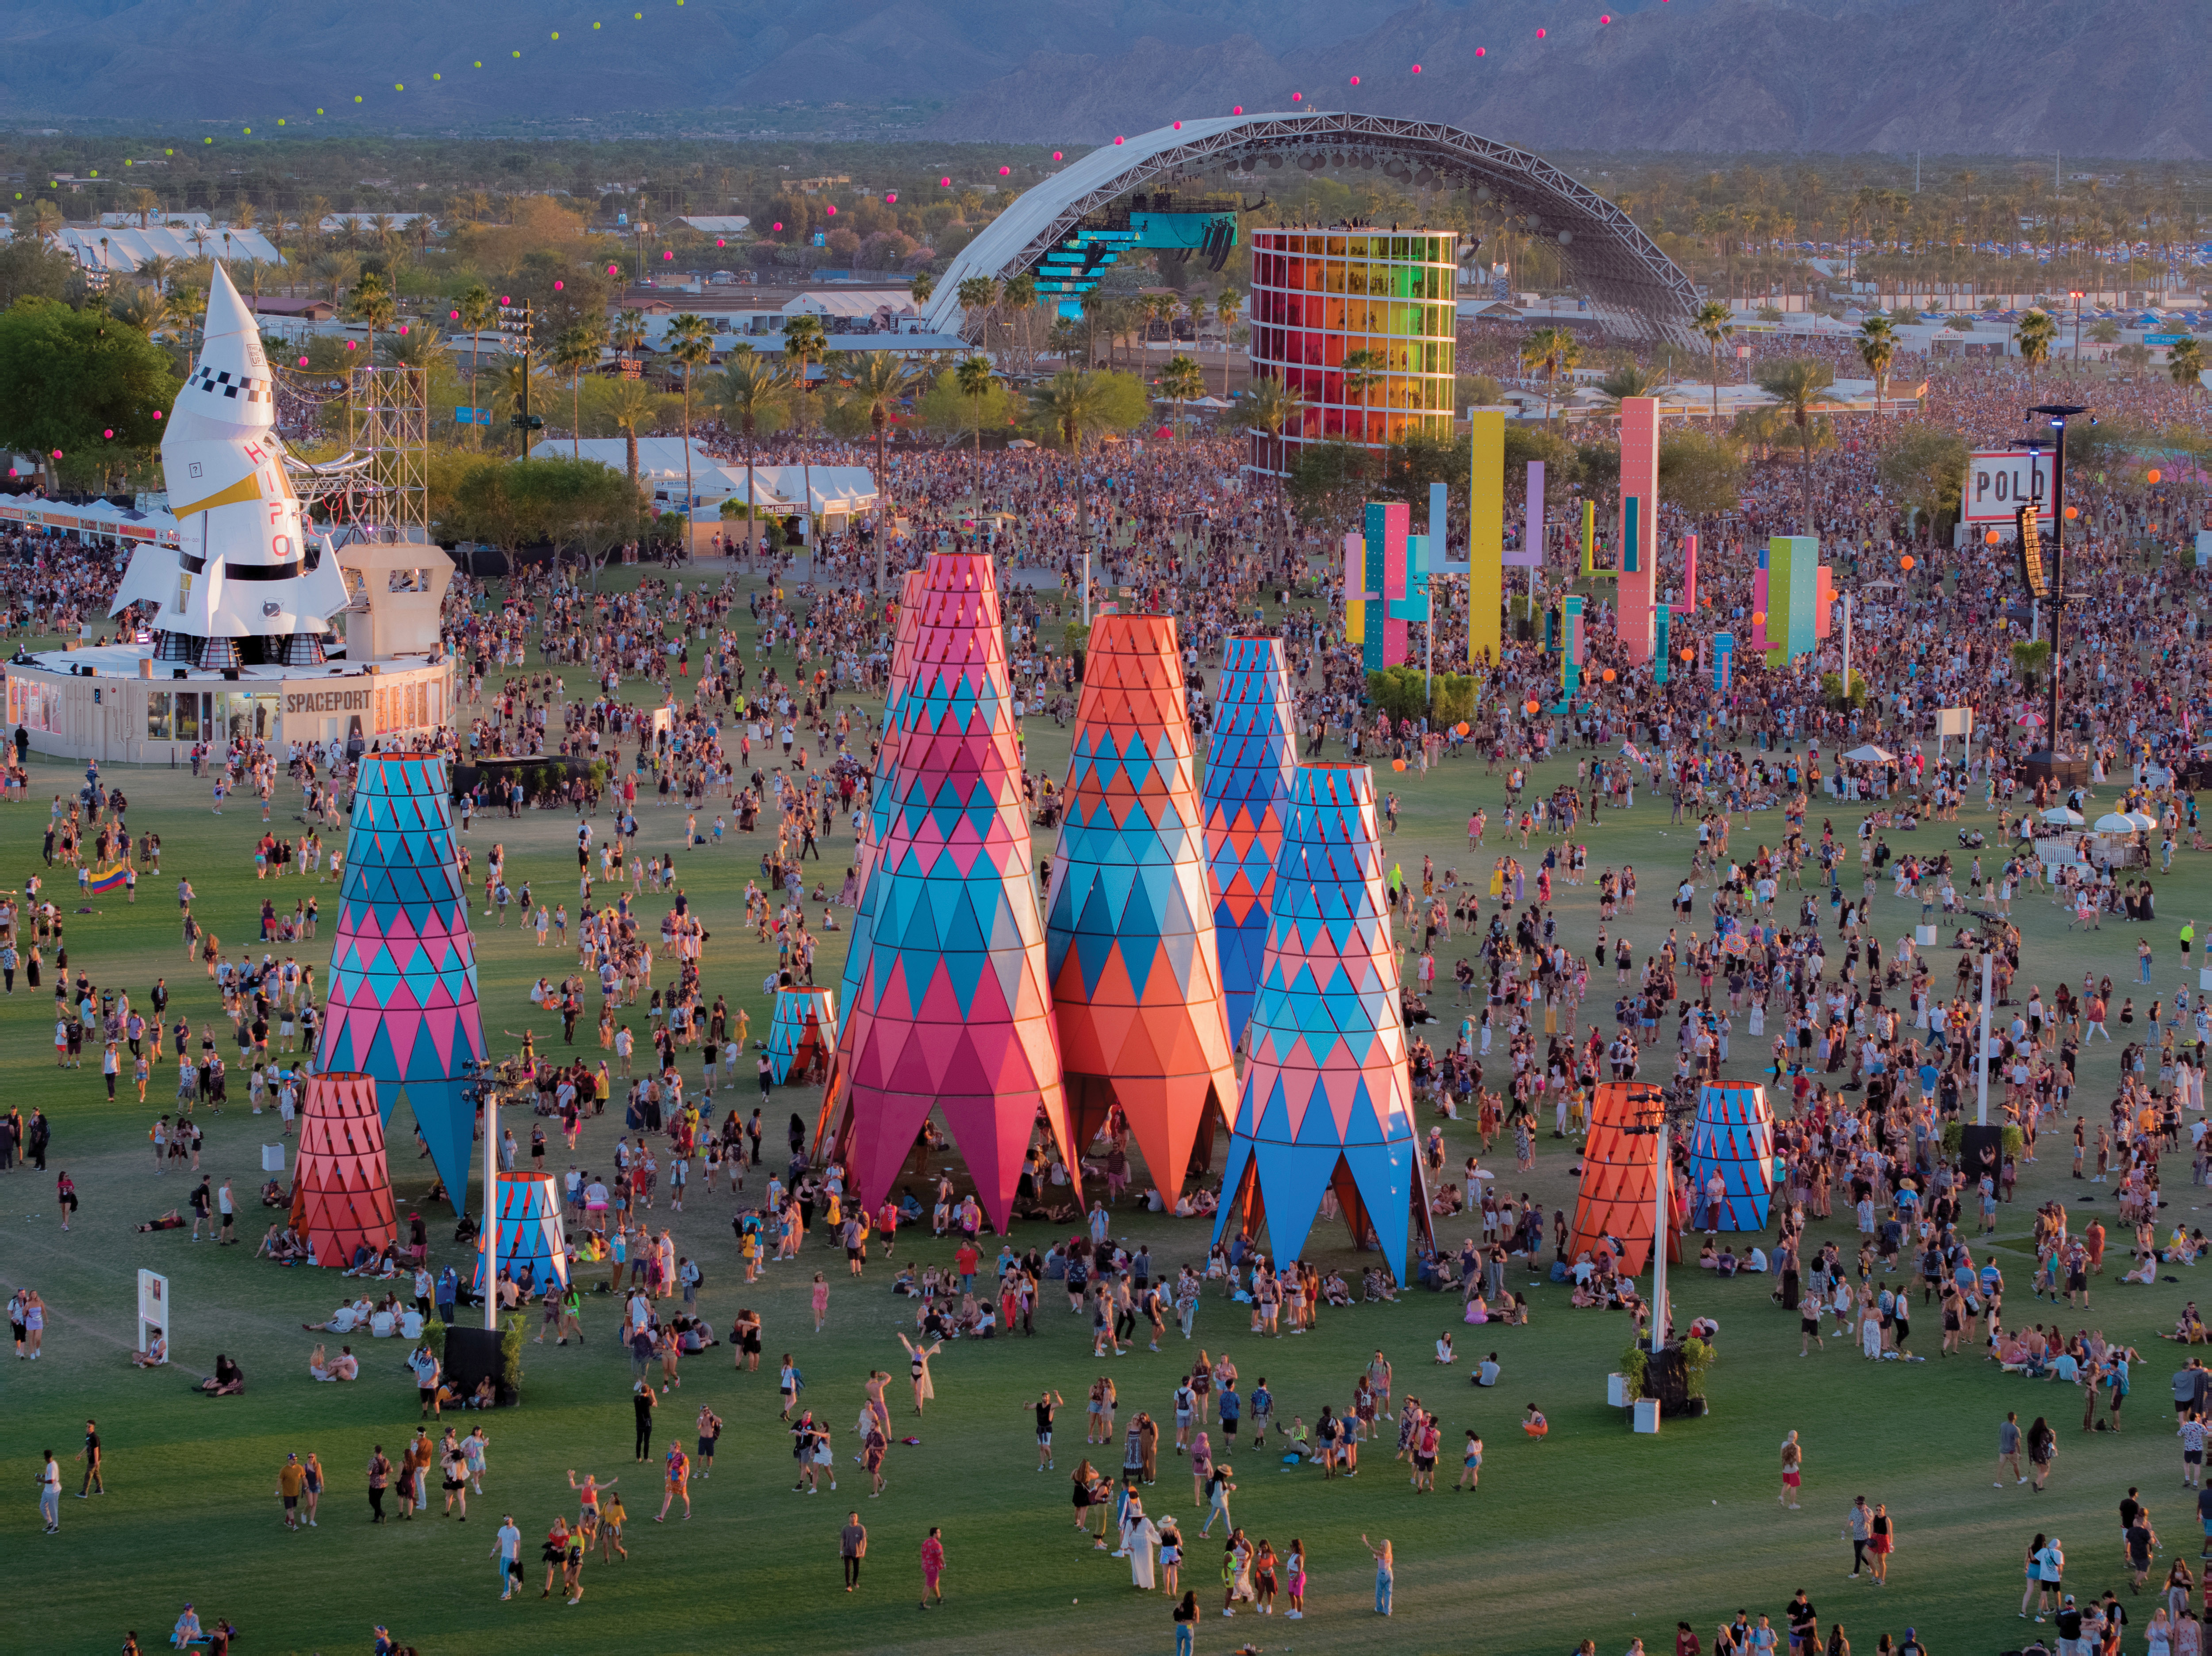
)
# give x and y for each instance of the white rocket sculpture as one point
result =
(246, 587)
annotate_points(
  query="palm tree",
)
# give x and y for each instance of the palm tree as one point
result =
(371, 302)
(1268, 405)
(1227, 307)
(628, 335)
(749, 390)
(974, 379)
(2036, 331)
(1018, 300)
(1713, 321)
(633, 411)
(145, 203)
(1629, 380)
(144, 309)
(1071, 403)
(418, 347)
(474, 310)
(923, 287)
(879, 384)
(2184, 362)
(1363, 372)
(692, 342)
(575, 350)
(978, 294)
(805, 339)
(1180, 381)
(1797, 383)
(1550, 350)
(1877, 345)
(44, 220)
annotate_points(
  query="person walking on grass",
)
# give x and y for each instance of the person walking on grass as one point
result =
(2008, 1440)
(1858, 1530)
(852, 1547)
(821, 1301)
(677, 1481)
(1881, 1543)
(932, 1568)
(291, 1481)
(1048, 1404)
(93, 1483)
(507, 1547)
(1793, 1472)
(50, 1494)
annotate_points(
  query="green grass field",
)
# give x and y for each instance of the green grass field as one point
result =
(1595, 1532)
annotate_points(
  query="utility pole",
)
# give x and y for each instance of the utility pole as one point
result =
(1982, 1062)
(2056, 414)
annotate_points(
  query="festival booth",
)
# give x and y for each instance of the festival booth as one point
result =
(2122, 839)
(802, 1032)
(341, 1186)
(1129, 942)
(1327, 1101)
(531, 1241)
(1734, 1138)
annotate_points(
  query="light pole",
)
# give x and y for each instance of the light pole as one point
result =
(2053, 763)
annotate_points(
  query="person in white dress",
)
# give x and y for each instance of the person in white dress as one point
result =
(1140, 1537)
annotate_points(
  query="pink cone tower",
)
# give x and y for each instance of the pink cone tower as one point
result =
(947, 1004)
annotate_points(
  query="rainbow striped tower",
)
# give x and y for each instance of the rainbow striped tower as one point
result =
(1129, 920)
(1244, 794)
(947, 1001)
(1327, 1097)
(403, 997)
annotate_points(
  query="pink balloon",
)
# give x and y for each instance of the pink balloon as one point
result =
(109, 433)
(1120, 140)
(1007, 172)
(1482, 52)
(454, 316)
(668, 256)
(833, 210)
(504, 300)
(1540, 33)
(351, 346)
(57, 454)
(779, 225)
(303, 361)
(403, 326)
(719, 242)
(1297, 97)
(1178, 126)
(946, 183)
(1055, 155)
(890, 196)
(1355, 80)
(1608, 18)
(1417, 69)
(157, 414)
(613, 268)
(1239, 110)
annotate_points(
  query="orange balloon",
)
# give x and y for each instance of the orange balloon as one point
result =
(2153, 475)
(1606, 675)
(1532, 709)
(1463, 727)
(1906, 561)
(1758, 618)
(2072, 512)
(1397, 764)
(1689, 655)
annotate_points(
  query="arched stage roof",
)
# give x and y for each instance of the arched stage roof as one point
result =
(1634, 289)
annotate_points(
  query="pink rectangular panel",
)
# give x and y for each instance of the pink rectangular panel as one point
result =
(1639, 563)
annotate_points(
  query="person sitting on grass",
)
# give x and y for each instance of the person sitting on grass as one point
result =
(346, 1367)
(1533, 1422)
(228, 1380)
(156, 1354)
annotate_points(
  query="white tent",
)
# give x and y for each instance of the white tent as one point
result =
(2060, 816)
(838, 491)
(2113, 822)
(1868, 754)
(124, 250)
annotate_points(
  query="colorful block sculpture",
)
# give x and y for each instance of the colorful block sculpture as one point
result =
(341, 1188)
(1639, 525)
(1734, 1138)
(947, 1001)
(1383, 568)
(1129, 943)
(1724, 661)
(1326, 1099)
(530, 1236)
(802, 1030)
(1620, 1166)
(1245, 796)
(403, 997)
(1486, 536)
(1792, 598)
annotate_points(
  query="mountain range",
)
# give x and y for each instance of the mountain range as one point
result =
(2101, 78)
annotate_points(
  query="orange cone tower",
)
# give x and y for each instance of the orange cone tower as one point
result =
(1620, 1169)
(1136, 980)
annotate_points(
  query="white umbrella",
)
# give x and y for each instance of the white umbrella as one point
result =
(2113, 822)
(2060, 816)
(1868, 754)
(2141, 819)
